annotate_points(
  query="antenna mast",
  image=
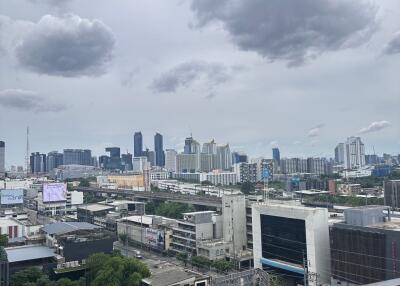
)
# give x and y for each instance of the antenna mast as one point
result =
(27, 165)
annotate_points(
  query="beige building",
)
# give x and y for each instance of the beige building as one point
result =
(127, 182)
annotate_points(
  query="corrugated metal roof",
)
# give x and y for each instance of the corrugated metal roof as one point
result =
(28, 252)
(66, 227)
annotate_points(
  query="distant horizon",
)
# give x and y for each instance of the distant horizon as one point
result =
(180, 146)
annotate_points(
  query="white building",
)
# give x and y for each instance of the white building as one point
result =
(285, 236)
(139, 164)
(354, 154)
(188, 163)
(221, 178)
(158, 174)
(224, 157)
(170, 160)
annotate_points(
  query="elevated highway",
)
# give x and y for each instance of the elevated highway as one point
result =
(200, 200)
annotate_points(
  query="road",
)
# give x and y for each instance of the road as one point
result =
(152, 259)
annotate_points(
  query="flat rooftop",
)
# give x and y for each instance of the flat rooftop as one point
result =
(28, 252)
(66, 227)
(167, 274)
(96, 207)
(201, 212)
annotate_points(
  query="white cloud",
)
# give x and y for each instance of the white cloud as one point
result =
(375, 126)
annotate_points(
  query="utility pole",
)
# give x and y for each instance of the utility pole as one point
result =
(305, 267)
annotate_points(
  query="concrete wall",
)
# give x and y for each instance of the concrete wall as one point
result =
(234, 215)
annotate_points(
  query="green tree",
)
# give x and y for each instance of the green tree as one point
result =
(247, 188)
(222, 265)
(27, 275)
(4, 240)
(200, 261)
(173, 210)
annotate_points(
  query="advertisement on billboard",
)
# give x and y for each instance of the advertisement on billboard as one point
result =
(54, 192)
(12, 197)
(155, 238)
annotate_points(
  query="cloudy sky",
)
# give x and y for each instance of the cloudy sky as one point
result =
(298, 74)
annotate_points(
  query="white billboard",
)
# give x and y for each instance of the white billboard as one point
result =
(54, 192)
(11, 197)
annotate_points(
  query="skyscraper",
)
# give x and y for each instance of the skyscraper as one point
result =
(224, 157)
(339, 153)
(54, 159)
(2, 158)
(38, 163)
(170, 160)
(276, 155)
(158, 150)
(191, 146)
(354, 153)
(209, 147)
(77, 157)
(114, 161)
(138, 144)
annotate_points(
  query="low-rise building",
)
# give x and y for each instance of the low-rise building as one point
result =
(153, 232)
(76, 241)
(193, 228)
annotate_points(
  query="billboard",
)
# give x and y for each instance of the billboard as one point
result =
(155, 238)
(54, 192)
(11, 197)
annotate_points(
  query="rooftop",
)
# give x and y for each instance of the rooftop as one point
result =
(66, 227)
(168, 274)
(96, 207)
(28, 252)
(201, 212)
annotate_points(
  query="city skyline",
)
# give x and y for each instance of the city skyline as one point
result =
(304, 96)
(180, 148)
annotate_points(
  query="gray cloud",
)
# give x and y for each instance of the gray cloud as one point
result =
(27, 100)
(185, 74)
(393, 47)
(375, 126)
(69, 46)
(290, 30)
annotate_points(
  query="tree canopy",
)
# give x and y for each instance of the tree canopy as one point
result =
(102, 270)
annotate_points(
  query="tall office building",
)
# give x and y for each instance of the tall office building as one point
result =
(209, 147)
(224, 157)
(126, 162)
(339, 153)
(2, 158)
(170, 160)
(238, 157)
(317, 166)
(187, 163)
(54, 159)
(276, 155)
(191, 146)
(159, 150)
(38, 163)
(114, 161)
(77, 157)
(138, 144)
(354, 153)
